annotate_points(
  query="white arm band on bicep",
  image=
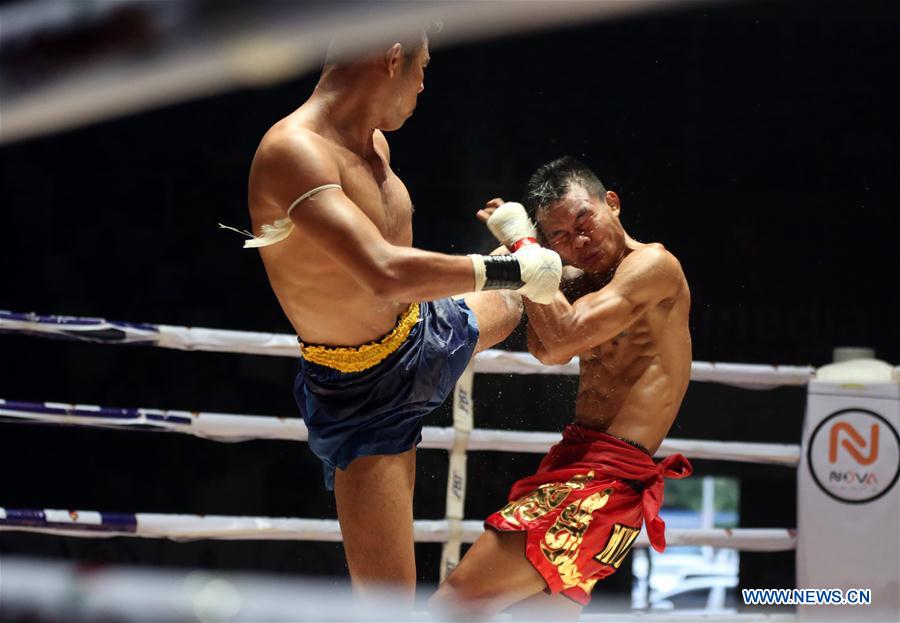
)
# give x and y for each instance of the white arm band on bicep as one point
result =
(310, 193)
(282, 228)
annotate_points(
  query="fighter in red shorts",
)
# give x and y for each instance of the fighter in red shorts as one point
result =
(624, 312)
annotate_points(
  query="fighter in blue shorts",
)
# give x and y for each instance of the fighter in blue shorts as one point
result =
(371, 399)
(334, 227)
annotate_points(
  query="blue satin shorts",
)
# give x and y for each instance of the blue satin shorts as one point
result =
(380, 410)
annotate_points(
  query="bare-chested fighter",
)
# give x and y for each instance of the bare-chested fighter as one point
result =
(334, 227)
(625, 314)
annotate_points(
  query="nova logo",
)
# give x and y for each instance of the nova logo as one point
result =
(853, 478)
(854, 443)
(854, 455)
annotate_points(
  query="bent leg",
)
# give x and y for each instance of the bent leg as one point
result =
(493, 575)
(498, 313)
(374, 504)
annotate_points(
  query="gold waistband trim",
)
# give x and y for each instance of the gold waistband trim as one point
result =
(359, 358)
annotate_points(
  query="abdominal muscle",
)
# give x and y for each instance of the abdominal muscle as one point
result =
(633, 386)
(641, 410)
(323, 302)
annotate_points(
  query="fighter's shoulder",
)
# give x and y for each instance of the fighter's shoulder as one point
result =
(295, 151)
(656, 272)
(654, 256)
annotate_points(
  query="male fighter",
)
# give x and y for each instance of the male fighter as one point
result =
(625, 314)
(334, 227)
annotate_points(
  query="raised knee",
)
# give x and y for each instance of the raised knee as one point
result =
(439, 603)
(458, 597)
(513, 302)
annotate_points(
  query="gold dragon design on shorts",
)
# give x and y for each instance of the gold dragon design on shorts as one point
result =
(562, 542)
(542, 500)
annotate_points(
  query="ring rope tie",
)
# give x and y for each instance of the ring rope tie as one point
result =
(463, 423)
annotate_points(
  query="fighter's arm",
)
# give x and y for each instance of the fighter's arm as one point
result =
(340, 229)
(535, 346)
(570, 287)
(562, 330)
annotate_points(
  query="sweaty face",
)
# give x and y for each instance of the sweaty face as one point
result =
(584, 230)
(409, 82)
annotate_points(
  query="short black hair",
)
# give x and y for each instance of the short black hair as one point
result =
(553, 180)
(345, 47)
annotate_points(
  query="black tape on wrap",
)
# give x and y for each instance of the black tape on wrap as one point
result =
(502, 272)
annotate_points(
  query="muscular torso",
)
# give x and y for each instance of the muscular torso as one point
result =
(323, 302)
(633, 385)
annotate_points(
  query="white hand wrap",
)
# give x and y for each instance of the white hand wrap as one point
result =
(532, 270)
(510, 223)
(541, 272)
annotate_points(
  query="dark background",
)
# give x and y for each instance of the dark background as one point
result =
(756, 140)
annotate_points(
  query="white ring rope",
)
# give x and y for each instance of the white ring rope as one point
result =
(452, 531)
(233, 428)
(93, 524)
(750, 376)
(125, 593)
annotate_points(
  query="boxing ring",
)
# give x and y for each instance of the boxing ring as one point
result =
(458, 440)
